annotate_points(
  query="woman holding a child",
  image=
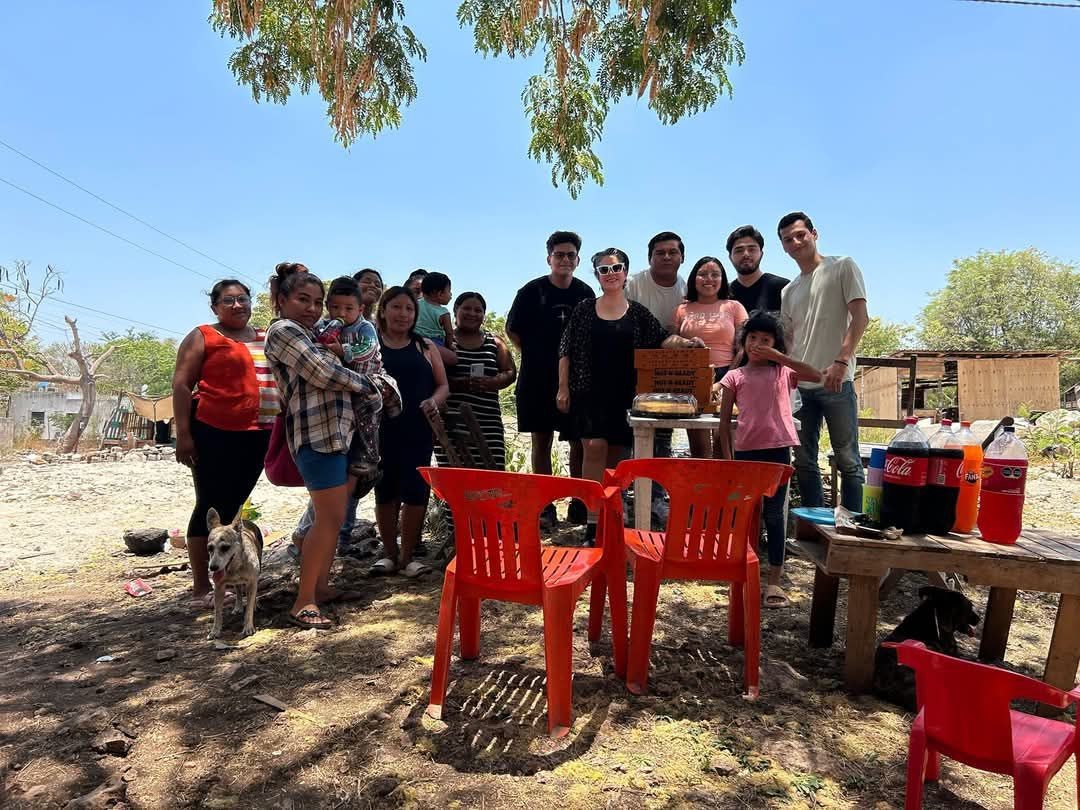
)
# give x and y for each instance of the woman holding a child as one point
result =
(317, 401)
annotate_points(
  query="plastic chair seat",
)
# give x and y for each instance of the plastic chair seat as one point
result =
(560, 567)
(1040, 740)
(649, 547)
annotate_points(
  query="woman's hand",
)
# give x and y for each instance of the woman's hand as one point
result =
(185, 450)
(562, 400)
(765, 354)
(336, 347)
(696, 343)
(429, 407)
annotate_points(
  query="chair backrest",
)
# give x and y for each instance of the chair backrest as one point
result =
(496, 520)
(713, 503)
(965, 705)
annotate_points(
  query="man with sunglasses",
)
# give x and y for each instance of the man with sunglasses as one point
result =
(535, 324)
(661, 289)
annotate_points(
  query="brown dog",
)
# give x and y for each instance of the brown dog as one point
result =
(235, 559)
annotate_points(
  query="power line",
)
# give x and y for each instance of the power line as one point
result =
(1025, 3)
(106, 230)
(122, 211)
(101, 312)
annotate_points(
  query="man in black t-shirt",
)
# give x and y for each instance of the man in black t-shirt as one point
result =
(535, 324)
(751, 287)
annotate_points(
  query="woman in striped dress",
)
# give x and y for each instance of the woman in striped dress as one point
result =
(485, 366)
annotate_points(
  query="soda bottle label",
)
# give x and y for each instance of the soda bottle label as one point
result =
(906, 471)
(945, 472)
(1006, 476)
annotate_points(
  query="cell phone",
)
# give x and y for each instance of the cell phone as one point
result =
(476, 370)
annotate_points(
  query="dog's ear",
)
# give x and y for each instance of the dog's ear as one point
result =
(213, 519)
(238, 521)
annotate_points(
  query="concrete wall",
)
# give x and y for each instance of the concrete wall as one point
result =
(25, 403)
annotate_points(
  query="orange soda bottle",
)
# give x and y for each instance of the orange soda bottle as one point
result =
(967, 504)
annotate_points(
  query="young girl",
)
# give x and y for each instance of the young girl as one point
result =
(761, 386)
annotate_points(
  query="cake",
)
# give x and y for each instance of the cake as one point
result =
(670, 406)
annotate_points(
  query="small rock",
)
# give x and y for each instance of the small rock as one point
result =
(383, 786)
(112, 742)
(243, 683)
(230, 670)
(165, 655)
(723, 763)
(130, 775)
(104, 795)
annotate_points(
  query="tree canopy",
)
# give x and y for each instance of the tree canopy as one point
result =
(361, 56)
(138, 359)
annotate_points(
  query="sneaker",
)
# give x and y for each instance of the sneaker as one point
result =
(577, 513)
(548, 518)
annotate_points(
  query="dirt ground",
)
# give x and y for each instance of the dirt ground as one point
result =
(178, 725)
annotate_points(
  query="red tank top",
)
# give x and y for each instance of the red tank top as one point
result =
(228, 388)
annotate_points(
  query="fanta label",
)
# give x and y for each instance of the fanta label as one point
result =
(906, 470)
(1004, 475)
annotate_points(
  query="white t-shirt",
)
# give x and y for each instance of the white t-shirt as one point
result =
(815, 307)
(660, 301)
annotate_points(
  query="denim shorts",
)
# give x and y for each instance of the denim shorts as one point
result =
(322, 470)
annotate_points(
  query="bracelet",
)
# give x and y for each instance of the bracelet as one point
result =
(841, 362)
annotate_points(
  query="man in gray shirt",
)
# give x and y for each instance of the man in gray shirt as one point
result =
(824, 312)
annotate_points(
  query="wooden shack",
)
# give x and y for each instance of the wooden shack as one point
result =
(988, 385)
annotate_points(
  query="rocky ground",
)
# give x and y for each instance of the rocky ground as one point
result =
(110, 700)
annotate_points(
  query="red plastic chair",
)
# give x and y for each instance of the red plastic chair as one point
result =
(964, 713)
(714, 517)
(499, 556)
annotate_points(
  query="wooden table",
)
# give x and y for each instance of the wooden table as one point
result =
(1040, 560)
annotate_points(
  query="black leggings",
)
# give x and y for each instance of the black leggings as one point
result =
(773, 513)
(228, 467)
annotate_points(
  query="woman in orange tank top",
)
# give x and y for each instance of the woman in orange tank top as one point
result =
(225, 401)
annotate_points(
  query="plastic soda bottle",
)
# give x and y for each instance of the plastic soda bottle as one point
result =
(1004, 474)
(967, 502)
(875, 476)
(329, 331)
(942, 480)
(906, 463)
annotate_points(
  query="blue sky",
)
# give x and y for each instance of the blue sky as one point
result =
(913, 133)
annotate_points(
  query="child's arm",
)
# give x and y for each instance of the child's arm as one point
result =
(727, 401)
(804, 371)
(448, 330)
(289, 345)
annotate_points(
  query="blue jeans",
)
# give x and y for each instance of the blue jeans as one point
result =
(307, 520)
(840, 412)
(772, 515)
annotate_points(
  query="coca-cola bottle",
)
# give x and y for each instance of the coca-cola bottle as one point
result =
(906, 462)
(1004, 473)
(943, 480)
(329, 331)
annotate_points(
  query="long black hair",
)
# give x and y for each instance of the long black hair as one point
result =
(761, 321)
(388, 296)
(691, 281)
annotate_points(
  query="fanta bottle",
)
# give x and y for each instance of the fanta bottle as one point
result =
(967, 504)
(1004, 473)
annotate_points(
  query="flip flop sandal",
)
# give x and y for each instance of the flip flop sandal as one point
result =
(310, 620)
(383, 567)
(415, 569)
(775, 597)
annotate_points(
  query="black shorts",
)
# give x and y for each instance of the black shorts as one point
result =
(602, 420)
(537, 413)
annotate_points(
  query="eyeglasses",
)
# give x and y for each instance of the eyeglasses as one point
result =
(230, 300)
(569, 255)
(608, 269)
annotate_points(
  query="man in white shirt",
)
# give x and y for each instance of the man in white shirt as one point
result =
(824, 313)
(660, 289)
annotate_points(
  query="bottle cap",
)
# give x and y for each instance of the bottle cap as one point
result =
(910, 420)
(946, 422)
(965, 424)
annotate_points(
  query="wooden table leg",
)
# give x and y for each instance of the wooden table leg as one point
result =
(861, 632)
(1064, 655)
(644, 445)
(823, 608)
(996, 624)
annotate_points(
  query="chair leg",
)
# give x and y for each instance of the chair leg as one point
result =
(736, 615)
(444, 640)
(559, 659)
(1029, 789)
(598, 590)
(752, 638)
(469, 627)
(933, 765)
(916, 765)
(646, 595)
(616, 586)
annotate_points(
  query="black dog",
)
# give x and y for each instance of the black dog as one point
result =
(936, 620)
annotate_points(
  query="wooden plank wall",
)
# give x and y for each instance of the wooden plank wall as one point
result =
(879, 390)
(991, 389)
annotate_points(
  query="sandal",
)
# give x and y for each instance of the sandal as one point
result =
(775, 597)
(383, 567)
(310, 620)
(415, 569)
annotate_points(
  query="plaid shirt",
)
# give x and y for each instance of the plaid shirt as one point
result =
(315, 389)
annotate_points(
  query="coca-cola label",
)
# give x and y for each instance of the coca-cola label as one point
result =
(1006, 476)
(907, 471)
(945, 472)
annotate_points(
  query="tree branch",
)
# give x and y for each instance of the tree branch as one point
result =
(97, 363)
(46, 378)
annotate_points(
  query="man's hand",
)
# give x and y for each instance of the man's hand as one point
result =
(834, 376)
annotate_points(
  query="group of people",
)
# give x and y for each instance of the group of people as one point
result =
(354, 401)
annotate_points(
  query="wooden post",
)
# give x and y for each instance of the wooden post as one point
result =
(996, 624)
(861, 632)
(644, 443)
(823, 608)
(1064, 655)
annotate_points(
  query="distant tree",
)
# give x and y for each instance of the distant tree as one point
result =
(360, 55)
(20, 300)
(882, 337)
(1006, 301)
(261, 311)
(138, 359)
